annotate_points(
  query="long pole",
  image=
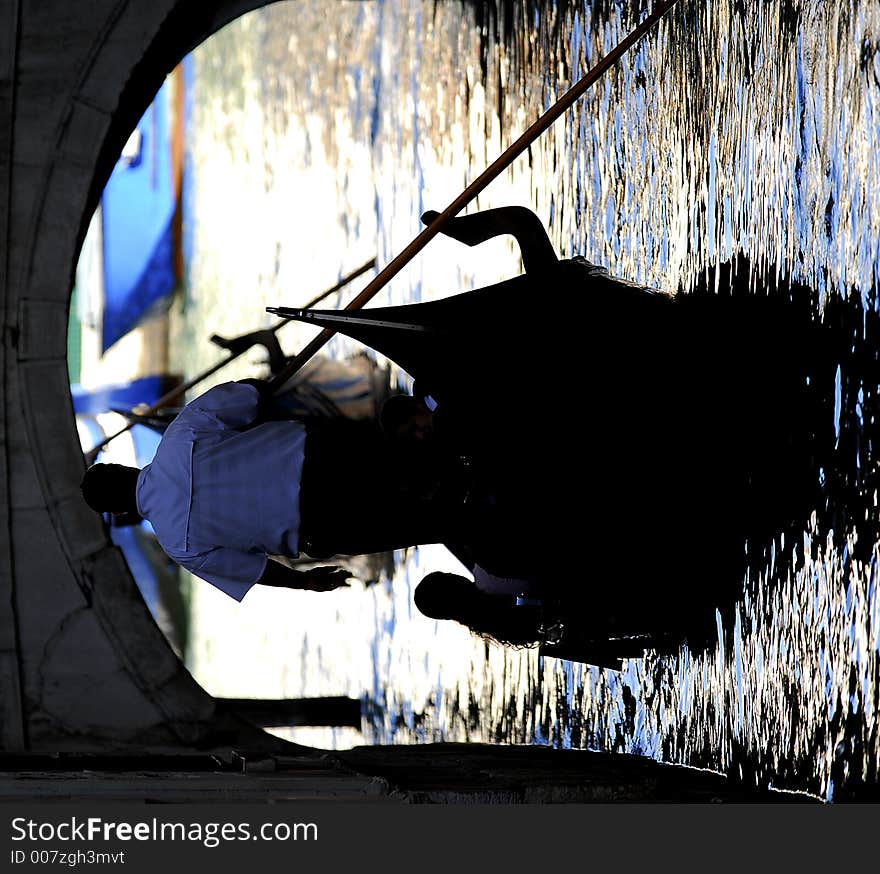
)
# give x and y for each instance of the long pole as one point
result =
(494, 170)
(178, 391)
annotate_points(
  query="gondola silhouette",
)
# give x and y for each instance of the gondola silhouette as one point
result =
(632, 444)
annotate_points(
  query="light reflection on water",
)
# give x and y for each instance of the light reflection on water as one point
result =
(317, 142)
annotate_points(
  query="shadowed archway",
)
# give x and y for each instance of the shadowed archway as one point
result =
(82, 664)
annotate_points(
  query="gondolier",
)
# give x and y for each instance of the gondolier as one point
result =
(620, 413)
(230, 486)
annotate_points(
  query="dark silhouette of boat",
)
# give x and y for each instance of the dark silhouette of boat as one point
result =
(636, 448)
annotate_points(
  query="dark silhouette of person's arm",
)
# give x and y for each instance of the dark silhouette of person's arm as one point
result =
(534, 244)
(319, 579)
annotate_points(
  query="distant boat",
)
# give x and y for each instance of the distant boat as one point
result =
(669, 438)
(129, 266)
(140, 218)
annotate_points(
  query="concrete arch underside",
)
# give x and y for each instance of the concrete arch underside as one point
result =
(82, 664)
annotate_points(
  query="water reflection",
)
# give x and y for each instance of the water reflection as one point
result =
(736, 128)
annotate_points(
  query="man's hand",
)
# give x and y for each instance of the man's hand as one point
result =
(319, 579)
(325, 579)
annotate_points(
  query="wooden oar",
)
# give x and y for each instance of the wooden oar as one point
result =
(180, 390)
(494, 170)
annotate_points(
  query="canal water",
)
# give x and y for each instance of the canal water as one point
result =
(317, 135)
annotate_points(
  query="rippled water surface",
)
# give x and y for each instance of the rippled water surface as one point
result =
(319, 133)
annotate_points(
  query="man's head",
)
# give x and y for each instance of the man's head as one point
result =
(110, 488)
(444, 596)
(450, 596)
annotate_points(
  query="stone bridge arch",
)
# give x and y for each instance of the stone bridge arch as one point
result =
(83, 667)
